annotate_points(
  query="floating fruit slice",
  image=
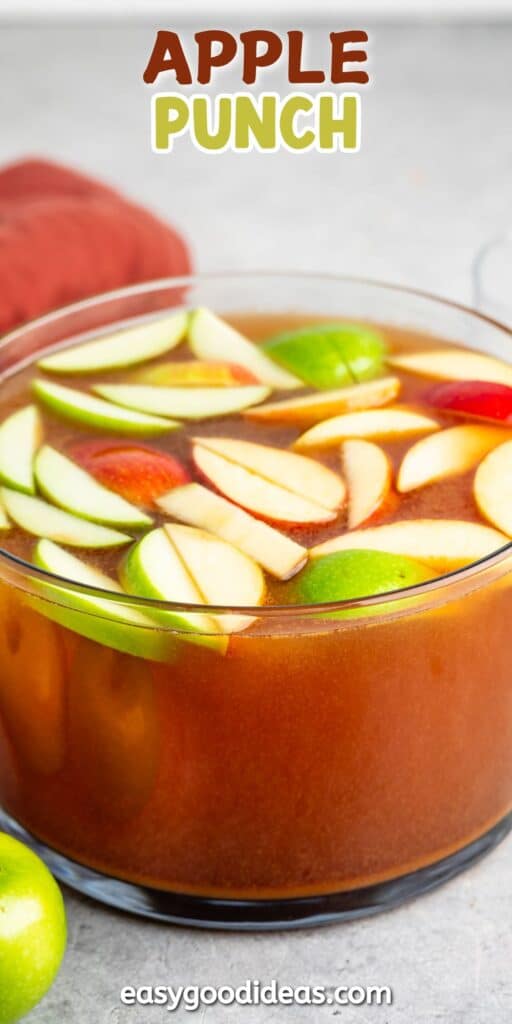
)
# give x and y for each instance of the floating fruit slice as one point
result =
(211, 338)
(136, 471)
(194, 374)
(43, 520)
(223, 573)
(197, 506)
(187, 403)
(478, 399)
(317, 407)
(444, 544)
(447, 453)
(94, 412)
(368, 474)
(379, 424)
(349, 575)
(329, 355)
(153, 568)
(110, 623)
(70, 487)
(492, 487)
(20, 437)
(453, 364)
(273, 483)
(124, 348)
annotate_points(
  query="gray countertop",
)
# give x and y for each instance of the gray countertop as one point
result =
(432, 182)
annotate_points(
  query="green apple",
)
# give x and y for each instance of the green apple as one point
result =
(124, 348)
(94, 412)
(211, 338)
(32, 929)
(187, 403)
(70, 487)
(329, 355)
(111, 623)
(43, 520)
(20, 436)
(358, 573)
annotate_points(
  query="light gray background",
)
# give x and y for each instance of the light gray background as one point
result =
(432, 182)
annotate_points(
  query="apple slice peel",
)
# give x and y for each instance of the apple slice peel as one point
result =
(43, 520)
(116, 351)
(72, 488)
(95, 412)
(20, 437)
(184, 403)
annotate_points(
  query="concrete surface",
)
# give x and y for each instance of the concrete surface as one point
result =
(432, 182)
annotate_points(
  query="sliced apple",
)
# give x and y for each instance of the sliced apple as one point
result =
(70, 487)
(368, 474)
(445, 544)
(453, 364)
(138, 472)
(377, 424)
(194, 374)
(223, 573)
(111, 623)
(272, 482)
(124, 348)
(197, 506)
(43, 520)
(474, 399)
(448, 453)
(324, 404)
(493, 487)
(187, 403)
(20, 436)
(94, 412)
(212, 338)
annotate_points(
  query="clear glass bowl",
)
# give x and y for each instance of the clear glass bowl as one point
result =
(323, 768)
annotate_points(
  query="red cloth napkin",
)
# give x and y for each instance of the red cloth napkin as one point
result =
(64, 237)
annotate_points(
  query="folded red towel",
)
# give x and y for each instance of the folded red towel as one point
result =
(64, 237)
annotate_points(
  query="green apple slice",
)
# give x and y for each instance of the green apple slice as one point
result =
(211, 338)
(330, 355)
(43, 520)
(110, 623)
(124, 348)
(20, 437)
(153, 568)
(187, 403)
(94, 412)
(67, 485)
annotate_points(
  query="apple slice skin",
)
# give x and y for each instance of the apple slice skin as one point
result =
(327, 404)
(20, 436)
(109, 623)
(197, 506)
(94, 412)
(71, 488)
(492, 487)
(368, 472)
(329, 355)
(211, 338)
(453, 364)
(43, 520)
(447, 453)
(444, 544)
(476, 399)
(187, 403)
(122, 349)
(138, 472)
(372, 424)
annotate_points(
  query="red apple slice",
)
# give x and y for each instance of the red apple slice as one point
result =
(269, 481)
(375, 424)
(478, 399)
(138, 472)
(445, 544)
(453, 364)
(197, 506)
(368, 474)
(447, 453)
(326, 404)
(493, 487)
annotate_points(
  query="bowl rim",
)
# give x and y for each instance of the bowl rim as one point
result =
(61, 584)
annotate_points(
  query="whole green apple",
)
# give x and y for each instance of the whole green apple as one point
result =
(32, 929)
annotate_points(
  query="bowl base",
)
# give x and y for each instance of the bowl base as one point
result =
(253, 915)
